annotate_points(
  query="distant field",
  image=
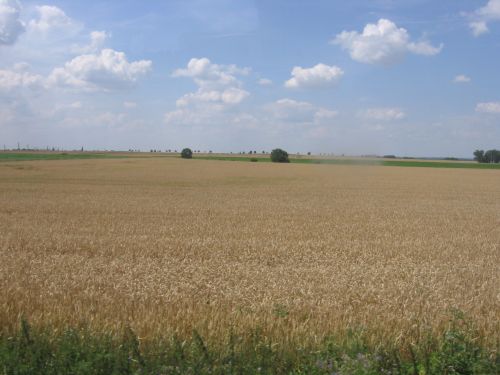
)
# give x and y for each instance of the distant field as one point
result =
(359, 161)
(168, 245)
(20, 156)
(25, 156)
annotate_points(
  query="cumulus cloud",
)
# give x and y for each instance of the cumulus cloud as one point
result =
(19, 78)
(478, 27)
(208, 75)
(484, 15)
(382, 43)
(105, 70)
(318, 76)
(50, 19)
(97, 41)
(424, 48)
(461, 78)
(10, 24)
(289, 110)
(218, 91)
(490, 107)
(231, 95)
(383, 114)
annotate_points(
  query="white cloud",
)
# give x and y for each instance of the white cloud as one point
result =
(289, 110)
(232, 95)
(383, 114)
(10, 24)
(265, 82)
(97, 41)
(22, 67)
(382, 43)
(52, 19)
(209, 75)
(461, 78)
(98, 38)
(280, 114)
(19, 78)
(318, 76)
(482, 16)
(478, 27)
(490, 107)
(424, 48)
(105, 70)
(218, 91)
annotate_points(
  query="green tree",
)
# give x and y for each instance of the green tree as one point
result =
(479, 156)
(279, 156)
(492, 156)
(186, 153)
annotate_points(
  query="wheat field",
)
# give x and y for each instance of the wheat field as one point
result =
(302, 251)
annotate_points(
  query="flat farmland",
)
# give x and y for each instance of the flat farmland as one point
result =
(167, 245)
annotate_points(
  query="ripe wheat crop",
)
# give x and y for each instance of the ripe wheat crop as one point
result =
(300, 251)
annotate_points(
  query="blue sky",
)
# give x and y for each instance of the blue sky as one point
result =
(412, 77)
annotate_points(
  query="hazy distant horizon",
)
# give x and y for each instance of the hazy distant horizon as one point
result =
(414, 78)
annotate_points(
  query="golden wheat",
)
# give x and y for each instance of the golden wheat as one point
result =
(302, 251)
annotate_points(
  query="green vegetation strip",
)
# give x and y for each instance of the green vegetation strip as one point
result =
(28, 156)
(439, 164)
(80, 352)
(380, 162)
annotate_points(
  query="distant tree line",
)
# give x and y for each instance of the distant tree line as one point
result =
(490, 156)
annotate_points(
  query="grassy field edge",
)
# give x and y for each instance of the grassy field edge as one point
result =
(29, 156)
(79, 351)
(362, 162)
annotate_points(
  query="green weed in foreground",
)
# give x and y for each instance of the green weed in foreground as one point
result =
(79, 352)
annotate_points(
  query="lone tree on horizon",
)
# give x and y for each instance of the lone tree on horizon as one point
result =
(187, 153)
(279, 156)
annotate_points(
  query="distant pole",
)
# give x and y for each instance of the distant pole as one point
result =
(18, 146)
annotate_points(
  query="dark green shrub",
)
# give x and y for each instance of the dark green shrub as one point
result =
(254, 160)
(279, 156)
(186, 153)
